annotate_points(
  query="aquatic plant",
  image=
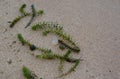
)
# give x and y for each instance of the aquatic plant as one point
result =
(24, 14)
(46, 25)
(28, 73)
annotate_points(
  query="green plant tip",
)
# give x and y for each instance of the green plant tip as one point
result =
(21, 39)
(40, 12)
(27, 73)
(22, 8)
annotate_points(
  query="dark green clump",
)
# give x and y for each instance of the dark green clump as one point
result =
(40, 12)
(32, 47)
(21, 39)
(28, 74)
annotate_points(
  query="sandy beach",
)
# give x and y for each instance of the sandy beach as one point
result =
(93, 24)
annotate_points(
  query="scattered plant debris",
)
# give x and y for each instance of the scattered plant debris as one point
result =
(65, 42)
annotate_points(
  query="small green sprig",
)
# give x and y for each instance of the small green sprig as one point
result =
(40, 12)
(21, 9)
(22, 40)
(52, 28)
(32, 46)
(55, 56)
(67, 54)
(61, 34)
(33, 15)
(60, 67)
(71, 69)
(28, 73)
(46, 25)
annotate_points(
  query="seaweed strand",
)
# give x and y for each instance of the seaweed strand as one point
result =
(47, 53)
(46, 25)
(33, 15)
(71, 69)
(28, 73)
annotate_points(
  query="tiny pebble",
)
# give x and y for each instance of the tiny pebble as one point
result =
(32, 47)
(9, 61)
(55, 40)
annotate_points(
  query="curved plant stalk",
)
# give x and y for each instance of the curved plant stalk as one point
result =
(33, 15)
(60, 67)
(46, 25)
(28, 73)
(71, 69)
(52, 28)
(56, 56)
(47, 53)
(32, 46)
(17, 19)
(22, 16)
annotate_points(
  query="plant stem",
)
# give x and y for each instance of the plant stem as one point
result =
(71, 69)
(75, 49)
(33, 15)
(28, 73)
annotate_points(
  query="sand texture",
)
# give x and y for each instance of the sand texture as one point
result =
(93, 24)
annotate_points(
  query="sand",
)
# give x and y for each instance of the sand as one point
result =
(93, 24)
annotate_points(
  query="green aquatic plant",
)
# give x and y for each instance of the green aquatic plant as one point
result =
(71, 69)
(32, 46)
(24, 14)
(64, 45)
(61, 34)
(60, 67)
(55, 56)
(40, 12)
(65, 42)
(57, 29)
(47, 53)
(22, 40)
(28, 73)
(18, 18)
(45, 25)
(67, 53)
